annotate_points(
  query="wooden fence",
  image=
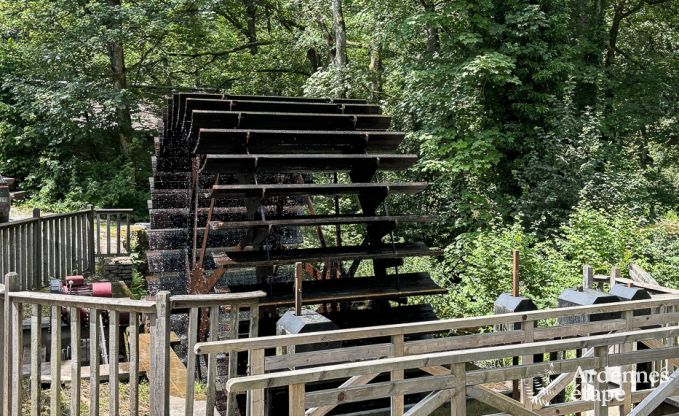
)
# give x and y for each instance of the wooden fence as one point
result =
(56, 245)
(434, 347)
(15, 304)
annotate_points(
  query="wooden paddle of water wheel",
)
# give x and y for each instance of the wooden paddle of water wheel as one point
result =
(238, 179)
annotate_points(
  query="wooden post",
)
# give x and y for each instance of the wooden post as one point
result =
(17, 347)
(515, 273)
(91, 253)
(161, 344)
(296, 400)
(134, 363)
(528, 328)
(627, 371)
(299, 273)
(615, 274)
(36, 343)
(55, 361)
(37, 250)
(75, 361)
(587, 277)
(397, 402)
(256, 360)
(212, 358)
(11, 285)
(94, 362)
(458, 403)
(113, 355)
(191, 360)
(600, 388)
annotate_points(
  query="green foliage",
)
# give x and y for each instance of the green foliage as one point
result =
(478, 265)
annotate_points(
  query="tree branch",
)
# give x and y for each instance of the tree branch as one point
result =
(222, 53)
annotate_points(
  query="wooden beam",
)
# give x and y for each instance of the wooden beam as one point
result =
(353, 381)
(429, 404)
(498, 401)
(666, 389)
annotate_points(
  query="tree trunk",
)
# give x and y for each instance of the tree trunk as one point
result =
(341, 58)
(591, 32)
(433, 42)
(119, 76)
(314, 59)
(376, 70)
(251, 17)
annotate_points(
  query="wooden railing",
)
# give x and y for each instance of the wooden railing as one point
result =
(56, 245)
(15, 303)
(396, 348)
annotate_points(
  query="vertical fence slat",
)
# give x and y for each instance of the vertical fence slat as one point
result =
(191, 360)
(134, 363)
(94, 362)
(113, 353)
(37, 249)
(233, 356)
(75, 361)
(128, 237)
(397, 402)
(458, 403)
(3, 296)
(11, 285)
(36, 355)
(55, 360)
(161, 344)
(256, 359)
(17, 357)
(91, 236)
(119, 238)
(108, 234)
(212, 358)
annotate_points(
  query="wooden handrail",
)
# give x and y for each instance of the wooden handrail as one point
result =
(194, 301)
(109, 304)
(339, 371)
(422, 327)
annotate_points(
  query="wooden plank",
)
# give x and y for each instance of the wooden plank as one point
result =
(528, 328)
(75, 361)
(36, 353)
(316, 220)
(368, 287)
(334, 355)
(233, 357)
(264, 191)
(113, 358)
(94, 362)
(111, 304)
(17, 346)
(543, 398)
(666, 389)
(299, 276)
(192, 336)
(356, 390)
(432, 402)
(133, 334)
(640, 275)
(296, 400)
(458, 401)
(397, 401)
(281, 257)
(162, 355)
(212, 362)
(216, 299)
(498, 401)
(322, 410)
(55, 359)
(256, 398)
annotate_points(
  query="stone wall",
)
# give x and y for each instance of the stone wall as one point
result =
(118, 269)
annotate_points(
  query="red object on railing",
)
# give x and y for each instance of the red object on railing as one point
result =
(102, 289)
